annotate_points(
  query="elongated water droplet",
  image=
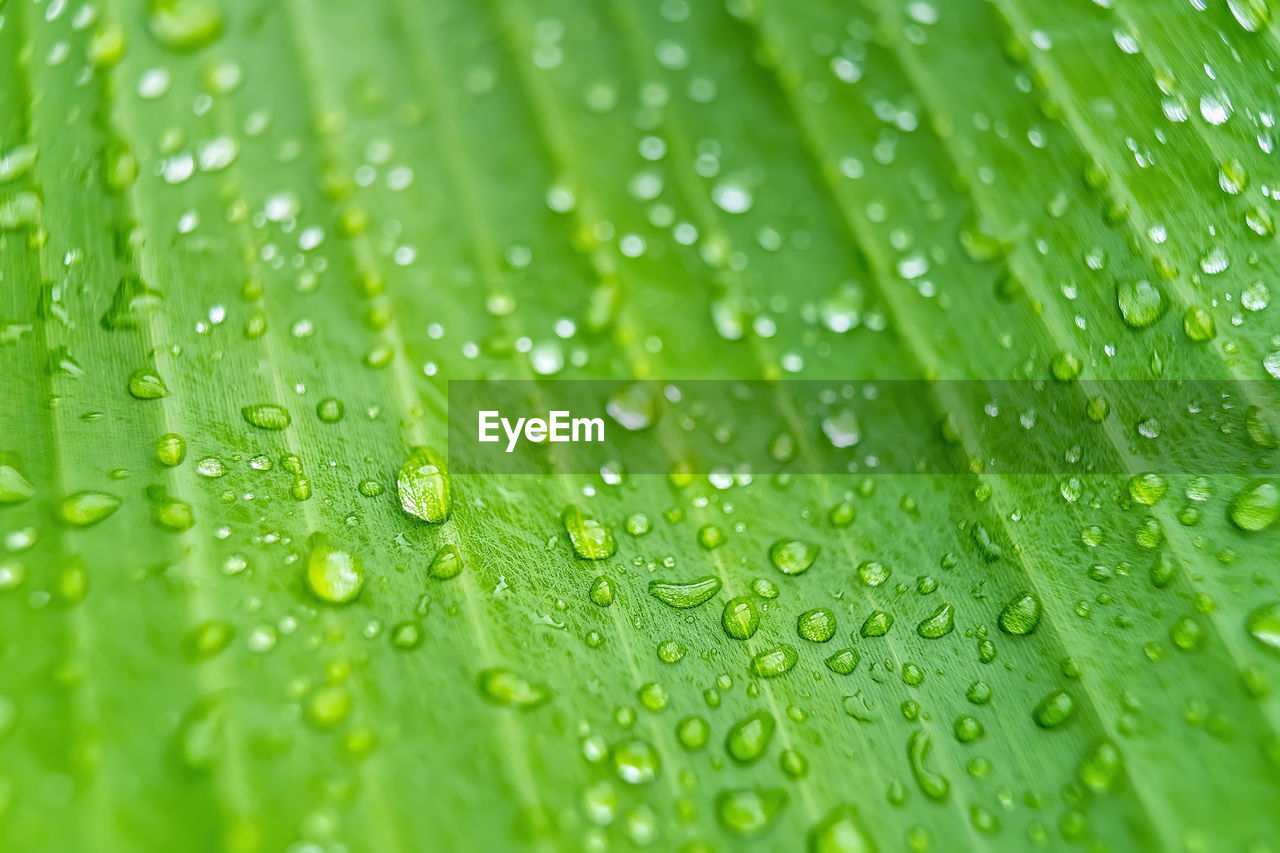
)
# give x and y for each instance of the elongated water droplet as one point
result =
(266, 416)
(83, 509)
(503, 687)
(933, 785)
(198, 743)
(17, 161)
(591, 540)
(685, 595)
(1253, 16)
(21, 210)
(169, 513)
(423, 484)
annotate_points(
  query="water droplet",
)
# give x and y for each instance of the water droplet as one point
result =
(1263, 624)
(933, 785)
(17, 161)
(509, 690)
(749, 812)
(147, 385)
(844, 661)
(817, 625)
(446, 564)
(1054, 710)
(841, 831)
(774, 662)
(14, 488)
(1101, 766)
(171, 449)
(423, 485)
(1021, 616)
(1255, 507)
(84, 509)
(184, 25)
(749, 738)
(740, 618)
(266, 416)
(1252, 15)
(941, 623)
(685, 595)
(792, 556)
(591, 540)
(1141, 303)
(877, 624)
(693, 733)
(636, 762)
(333, 576)
(601, 593)
(1147, 489)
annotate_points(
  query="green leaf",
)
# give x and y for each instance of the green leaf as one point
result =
(244, 248)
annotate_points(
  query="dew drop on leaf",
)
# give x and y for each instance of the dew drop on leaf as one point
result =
(1255, 507)
(792, 556)
(423, 486)
(775, 661)
(446, 564)
(333, 576)
(266, 416)
(749, 812)
(14, 488)
(685, 595)
(184, 25)
(1021, 616)
(817, 625)
(591, 539)
(636, 761)
(86, 508)
(740, 618)
(503, 687)
(749, 738)
(147, 385)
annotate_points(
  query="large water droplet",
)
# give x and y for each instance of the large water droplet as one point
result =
(591, 540)
(423, 485)
(83, 509)
(184, 25)
(333, 576)
(685, 595)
